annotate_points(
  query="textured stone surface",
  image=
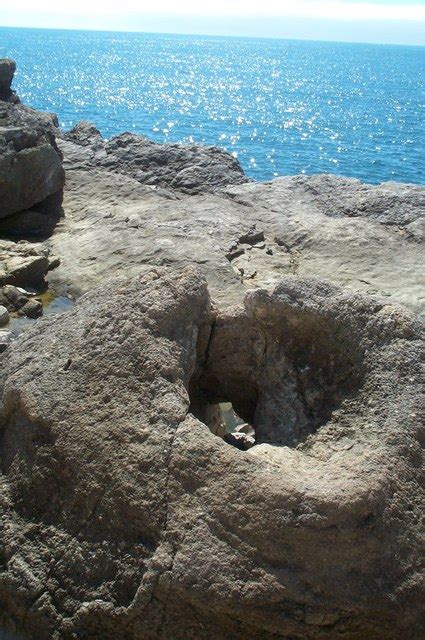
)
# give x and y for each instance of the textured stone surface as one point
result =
(23, 264)
(361, 236)
(187, 168)
(84, 134)
(12, 298)
(32, 309)
(4, 316)
(5, 340)
(122, 515)
(7, 71)
(31, 170)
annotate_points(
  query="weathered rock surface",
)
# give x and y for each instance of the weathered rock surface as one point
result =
(187, 168)
(361, 236)
(84, 134)
(32, 308)
(122, 515)
(5, 340)
(31, 172)
(23, 264)
(4, 316)
(7, 71)
(12, 298)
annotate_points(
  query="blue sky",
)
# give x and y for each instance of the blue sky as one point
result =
(386, 21)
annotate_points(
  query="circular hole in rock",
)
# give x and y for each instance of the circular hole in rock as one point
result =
(282, 379)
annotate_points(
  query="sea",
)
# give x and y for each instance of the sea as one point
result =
(280, 106)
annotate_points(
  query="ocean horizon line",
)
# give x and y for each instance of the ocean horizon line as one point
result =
(213, 35)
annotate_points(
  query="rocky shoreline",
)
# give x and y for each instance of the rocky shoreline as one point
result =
(127, 509)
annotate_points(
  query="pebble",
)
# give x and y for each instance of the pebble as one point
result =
(5, 340)
(4, 316)
(32, 309)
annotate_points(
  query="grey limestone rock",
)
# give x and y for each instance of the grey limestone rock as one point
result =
(84, 134)
(12, 297)
(24, 264)
(188, 168)
(31, 172)
(32, 308)
(243, 236)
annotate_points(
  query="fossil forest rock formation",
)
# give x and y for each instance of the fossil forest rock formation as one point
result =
(124, 511)
(123, 515)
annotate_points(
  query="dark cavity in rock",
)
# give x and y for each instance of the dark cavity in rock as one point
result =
(283, 369)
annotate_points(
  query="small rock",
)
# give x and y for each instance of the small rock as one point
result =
(245, 428)
(15, 298)
(25, 270)
(7, 71)
(4, 316)
(252, 237)
(84, 133)
(5, 340)
(32, 309)
(234, 253)
(239, 440)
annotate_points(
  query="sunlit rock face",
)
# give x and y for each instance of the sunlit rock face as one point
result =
(244, 236)
(123, 515)
(31, 173)
(30, 162)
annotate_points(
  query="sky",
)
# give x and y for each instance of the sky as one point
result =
(381, 21)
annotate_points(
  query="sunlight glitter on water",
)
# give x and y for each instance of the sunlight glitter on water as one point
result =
(350, 109)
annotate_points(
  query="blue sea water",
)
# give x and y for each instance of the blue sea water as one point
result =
(282, 106)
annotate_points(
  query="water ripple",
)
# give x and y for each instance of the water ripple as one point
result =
(281, 107)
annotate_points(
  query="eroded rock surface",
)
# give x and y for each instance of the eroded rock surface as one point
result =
(31, 172)
(244, 236)
(23, 264)
(7, 71)
(187, 168)
(124, 516)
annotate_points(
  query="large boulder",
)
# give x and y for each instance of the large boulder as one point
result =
(188, 168)
(7, 71)
(31, 172)
(124, 516)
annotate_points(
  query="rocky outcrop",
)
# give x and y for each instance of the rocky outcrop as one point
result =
(364, 237)
(85, 134)
(7, 71)
(128, 506)
(190, 169)
(124, 516)
(31, 172)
